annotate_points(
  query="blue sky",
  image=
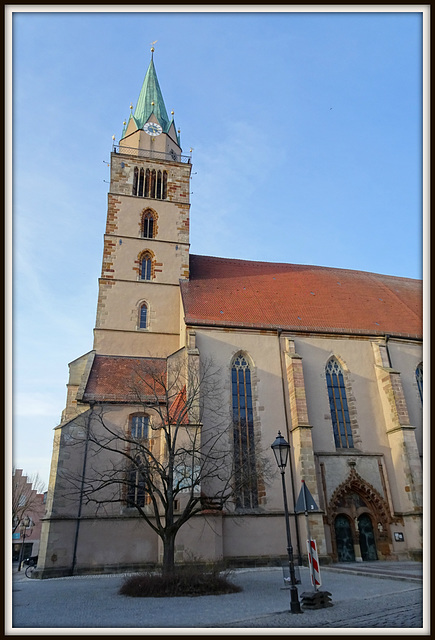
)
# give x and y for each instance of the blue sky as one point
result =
(306, 131)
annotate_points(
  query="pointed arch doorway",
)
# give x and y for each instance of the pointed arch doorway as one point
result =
(360, 516)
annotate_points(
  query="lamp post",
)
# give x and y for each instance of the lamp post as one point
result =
(281, 449)
(23, 527)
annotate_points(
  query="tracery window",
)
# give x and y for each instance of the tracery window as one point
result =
(151, 183)
(243, 435)
(419, 378)
(136, 475)
(338, 405)
(143, 316)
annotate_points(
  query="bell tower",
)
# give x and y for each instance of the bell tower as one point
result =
(146, 243)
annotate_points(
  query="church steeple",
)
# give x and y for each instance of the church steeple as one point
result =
(150, 108)
(151, 101)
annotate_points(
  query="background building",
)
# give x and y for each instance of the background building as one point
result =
(330, 357)
(27, 501)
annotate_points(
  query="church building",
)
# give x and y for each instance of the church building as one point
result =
(331, 358)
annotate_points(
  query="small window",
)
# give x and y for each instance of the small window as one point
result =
(145, 268)
(338, 405)
(419, 378)
(143, 316)
(148, 225)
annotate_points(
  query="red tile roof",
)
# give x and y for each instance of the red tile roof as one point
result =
(125, 379)
(178, 412)
(239, 293)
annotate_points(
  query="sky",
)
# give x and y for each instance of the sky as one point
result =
(306, 137)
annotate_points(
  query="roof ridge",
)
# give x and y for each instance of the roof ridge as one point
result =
(306, 266)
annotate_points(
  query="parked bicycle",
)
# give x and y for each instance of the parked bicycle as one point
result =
(31, 565)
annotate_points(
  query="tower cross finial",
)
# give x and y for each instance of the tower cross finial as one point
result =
(152, 47)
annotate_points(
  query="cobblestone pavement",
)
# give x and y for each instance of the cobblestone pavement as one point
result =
(402, 611)
(93, 602)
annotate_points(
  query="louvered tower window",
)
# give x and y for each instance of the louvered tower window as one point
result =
(150, 183)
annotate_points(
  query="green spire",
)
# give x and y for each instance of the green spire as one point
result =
(151, 101)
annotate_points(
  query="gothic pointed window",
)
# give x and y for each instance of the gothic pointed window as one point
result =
(136, 474)
(243, 435)
(143, 316)
(148, 225)
(338, 405)
(419, 378)
(145, 267)
(150, 183)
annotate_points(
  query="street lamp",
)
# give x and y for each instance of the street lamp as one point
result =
(281, 449)
(25, 523)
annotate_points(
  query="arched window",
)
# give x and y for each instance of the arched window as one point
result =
(148, 225)
(143, 316)
(419, 378)
(243, 435)
(145, 267)
(153, 183)
(159, 185)
(136, 474)
(135, 178)
(139, 427)
(338, 405)
(140, 192)
(147, 184)
(165, 185)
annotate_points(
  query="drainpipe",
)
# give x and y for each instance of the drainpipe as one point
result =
(388, 351)
(79, 513)
(279, 332)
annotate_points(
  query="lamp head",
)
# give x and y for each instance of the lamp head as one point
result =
(281, 450)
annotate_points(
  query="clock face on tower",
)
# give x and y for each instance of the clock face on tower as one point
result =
(152, 129)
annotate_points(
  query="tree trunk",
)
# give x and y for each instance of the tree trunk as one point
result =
(168, 555)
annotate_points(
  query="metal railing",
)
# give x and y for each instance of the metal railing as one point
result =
(149, 153)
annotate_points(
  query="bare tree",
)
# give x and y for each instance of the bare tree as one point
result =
(25, 499)
(175, 458)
